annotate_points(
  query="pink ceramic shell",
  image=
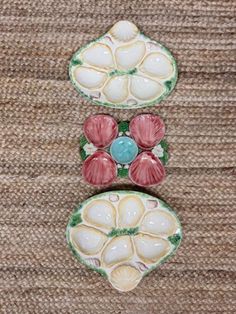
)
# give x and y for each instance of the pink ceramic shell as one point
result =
(99, 169)
(147, 130)
(100, 130)
(146, 170)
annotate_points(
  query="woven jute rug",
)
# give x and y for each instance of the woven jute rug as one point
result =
(41, 117)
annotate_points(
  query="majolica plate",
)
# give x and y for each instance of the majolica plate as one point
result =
(123, 235)
(134, 149)
(123, 69)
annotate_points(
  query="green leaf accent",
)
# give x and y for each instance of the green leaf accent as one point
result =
(123, 126)
(73, 250)
(83, 155)
(123, 172)
(114, 72)
(125, 231)
(76, 62)
(82, 141)
(175, 239)
(164, 144)
(118, 72)
(75, 219)
(77, 208)
(132, 71)
(169, 85)
(101, 272)
(165, 158)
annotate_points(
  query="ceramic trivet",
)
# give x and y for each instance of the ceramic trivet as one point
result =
(123, 69)
(123, 235)
(135, 150)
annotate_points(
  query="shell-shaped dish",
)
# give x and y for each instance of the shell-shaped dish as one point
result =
(99, 56)
(119, 249)
(116, 89)
(147, 170)
(130, 211)
(147, 130)
(94, 165)
(123, 235)
(157, 65)
(158, 222)
(124, 31)
(100, 213)
(90, 78)
(123, 69)
(128, 56)
(151, 249)
(100, 130)
(125, 277)
(87, 239)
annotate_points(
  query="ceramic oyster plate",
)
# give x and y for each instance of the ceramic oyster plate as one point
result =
(135, 150)
(123, 235)
(123, 69)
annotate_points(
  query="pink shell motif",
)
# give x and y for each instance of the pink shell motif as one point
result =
(99, 169)
(146, 170)
(147, 130)
(100, 130)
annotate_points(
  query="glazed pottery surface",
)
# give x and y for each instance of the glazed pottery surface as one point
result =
(124, 150)
(123, 69)
(123, 235)
(135, 150)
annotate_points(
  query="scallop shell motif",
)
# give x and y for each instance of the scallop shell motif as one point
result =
(119, 235)
(124, 69)
(124, 31)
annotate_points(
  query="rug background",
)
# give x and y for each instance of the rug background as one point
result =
(41, 117)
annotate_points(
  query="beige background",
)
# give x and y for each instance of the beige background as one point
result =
(41, 117)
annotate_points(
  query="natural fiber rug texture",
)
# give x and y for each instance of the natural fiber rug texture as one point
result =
(41, 117)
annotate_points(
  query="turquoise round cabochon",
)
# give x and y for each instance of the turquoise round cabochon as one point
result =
(124, 150)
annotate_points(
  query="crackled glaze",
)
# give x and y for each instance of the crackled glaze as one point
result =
(123, 69)
(123, 235)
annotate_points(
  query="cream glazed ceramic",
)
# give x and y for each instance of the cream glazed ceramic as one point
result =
(123, 235)
(123, 69)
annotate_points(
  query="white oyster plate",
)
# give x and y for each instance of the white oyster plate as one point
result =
(123, 69)
(123, 235)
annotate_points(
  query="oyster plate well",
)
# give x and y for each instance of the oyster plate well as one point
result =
(123, 69)
(123, 235)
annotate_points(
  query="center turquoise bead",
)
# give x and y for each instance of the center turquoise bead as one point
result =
(124, 150)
